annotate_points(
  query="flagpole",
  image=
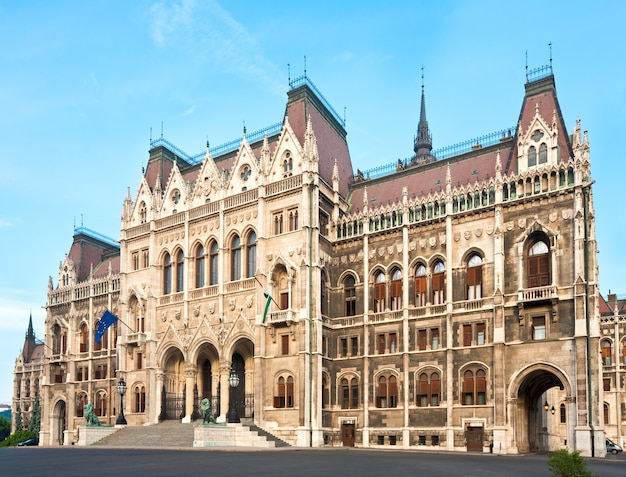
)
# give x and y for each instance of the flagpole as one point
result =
(268, 294)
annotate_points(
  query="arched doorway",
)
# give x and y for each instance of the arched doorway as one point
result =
(207, 381)
(174, 391)
(242, 363)
(531, 415)
(59, 423)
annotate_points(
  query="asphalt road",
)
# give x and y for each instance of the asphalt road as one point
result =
(75, 461)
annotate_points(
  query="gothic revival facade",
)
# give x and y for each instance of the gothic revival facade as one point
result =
(439, 301)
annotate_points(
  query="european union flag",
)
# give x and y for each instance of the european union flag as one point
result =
(107, 320)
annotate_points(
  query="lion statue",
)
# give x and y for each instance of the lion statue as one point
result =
(90, 415)
(207, 413)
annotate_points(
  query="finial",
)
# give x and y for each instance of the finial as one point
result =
(305, 66)
(150, 134)
(244, 127)
(422, 78)
(527, 66)
(161, 129)
(550, 45)
(344, 116)
(288, 74)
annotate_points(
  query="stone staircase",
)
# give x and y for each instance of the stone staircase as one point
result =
(164, 434)
(174, 434)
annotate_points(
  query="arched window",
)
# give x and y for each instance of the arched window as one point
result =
(180, 270)
(607, 419)
(474, 277)
(439, 283)
(135, 314)
(251, 255)
(325, 392)
(538, 265)
(140, 398)
(56, 339)
(429, 389)
(349, 295)
(606, 348)
(563, 414)
(167, 274)
(543, 153)
(474, 387)
(379, 292)
(396, 290)
(199, 265)
(349, 393)
(101, 404)
(284, 397)
(84, 338)
(81, 402)
(532, 156)
(387, 391)
(213, 259)
(235, 258)
(420, 285)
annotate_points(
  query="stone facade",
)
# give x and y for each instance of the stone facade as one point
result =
(440, 302)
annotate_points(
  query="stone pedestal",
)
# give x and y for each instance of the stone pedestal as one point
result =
(87, 435)
(230, 435)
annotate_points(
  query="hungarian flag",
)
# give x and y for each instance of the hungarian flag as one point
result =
(267, 304)
(107, 320)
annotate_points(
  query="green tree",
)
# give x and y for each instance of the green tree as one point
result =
(34, 424)
(5, 428)
(19, 423)
(565, 464)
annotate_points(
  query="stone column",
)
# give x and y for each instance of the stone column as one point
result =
(224, 391)
(191, 371)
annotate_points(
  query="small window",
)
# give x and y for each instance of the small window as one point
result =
(396, 290)
(349, 293)
(605, 349)
(420, 285)
(284, 344)
(379, 292)
(439, 283)
(539, 327)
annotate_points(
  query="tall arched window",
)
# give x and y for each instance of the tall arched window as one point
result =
(235, 258)
(349, 295)
(81, 402)
(532, 156)
(474, 387)
(84, 338)
(563, 414)
(429, 389)
(284, 396)
(167, 274)
(180, 270)
(349, 393)
(420, 285)
(605, 348)
(101, 404)
(607, 419)
(543, 153)
(213, 260)
(199, 265)
(538, 265)
(396, 290)
(140, 398)
(439, 283)
(379, 292)
(474, 277)
(251, 255)
(325, 392)
(387, 391)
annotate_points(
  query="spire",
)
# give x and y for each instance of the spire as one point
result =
(423, 143)
(30, 334)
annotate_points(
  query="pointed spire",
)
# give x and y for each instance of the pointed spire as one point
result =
(423, 143)
(30, 334)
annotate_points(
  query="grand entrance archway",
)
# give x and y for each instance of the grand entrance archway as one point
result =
(59, 423)
(174, 391)
(243, 365)
(531, 412)
(208, 380)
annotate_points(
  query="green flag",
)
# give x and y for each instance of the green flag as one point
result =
(267, 304)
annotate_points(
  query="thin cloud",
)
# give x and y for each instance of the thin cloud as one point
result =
(5, 223)
(208, 30)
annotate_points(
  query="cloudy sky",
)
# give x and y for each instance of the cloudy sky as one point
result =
(85, 85)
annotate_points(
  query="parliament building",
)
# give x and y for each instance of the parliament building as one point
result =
(448, 300)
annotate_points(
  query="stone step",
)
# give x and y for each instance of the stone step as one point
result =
(164, 434)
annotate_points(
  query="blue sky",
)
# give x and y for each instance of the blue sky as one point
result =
(84, 83)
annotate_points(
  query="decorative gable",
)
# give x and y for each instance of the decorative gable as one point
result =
(539, 145)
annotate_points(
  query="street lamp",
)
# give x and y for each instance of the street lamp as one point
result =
(121, 388)
(233, 380)
(546, 406)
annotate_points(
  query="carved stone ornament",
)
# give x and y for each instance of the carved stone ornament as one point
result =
(521, 223)
(249, 301)
(467, 234)
(457, 236)
(554, 214)
(212, 307)
(489, 229)
(478, 232)
(232, 303)
(432, 242)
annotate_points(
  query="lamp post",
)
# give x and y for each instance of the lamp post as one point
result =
(121, 388)
(233, 381)
(546, 406)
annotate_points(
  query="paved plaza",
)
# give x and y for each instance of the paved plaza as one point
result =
(73, 461)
